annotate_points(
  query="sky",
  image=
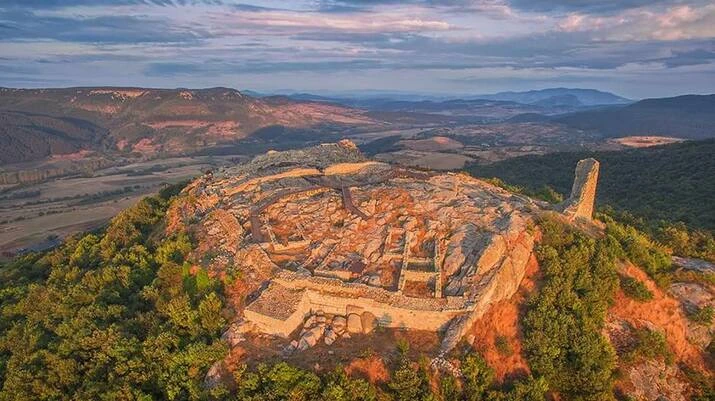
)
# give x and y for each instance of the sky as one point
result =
(634, 48)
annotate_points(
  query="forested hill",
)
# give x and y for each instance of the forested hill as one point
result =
(672, 182)
(689, 116)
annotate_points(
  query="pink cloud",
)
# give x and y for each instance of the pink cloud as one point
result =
(677, 23)
(364, 22)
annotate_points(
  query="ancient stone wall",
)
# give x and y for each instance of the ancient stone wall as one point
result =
(277, 325)
(453, 314)
(387, 315)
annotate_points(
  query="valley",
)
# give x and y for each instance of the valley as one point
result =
(107, 147)
(38, 216)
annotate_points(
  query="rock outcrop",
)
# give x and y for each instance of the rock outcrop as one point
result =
(364, 243)
(583, 192)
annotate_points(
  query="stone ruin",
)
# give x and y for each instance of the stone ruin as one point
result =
(330, 244)
(583, 192)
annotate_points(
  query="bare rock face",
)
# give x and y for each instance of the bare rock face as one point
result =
(310, 338)
(354, 323)
(330, 336)
(693, 296)
(583, 192)
(655, 381)
(368, 321)
(340, 323)
(216, 373)
(236, 331)
(367, 243)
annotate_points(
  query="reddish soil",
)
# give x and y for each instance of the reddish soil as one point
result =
(371, 368)
(79, 155)
(645, 141)
(145, 145)
(663, 312)
(365, 355)
(503, 319)
(434, 144)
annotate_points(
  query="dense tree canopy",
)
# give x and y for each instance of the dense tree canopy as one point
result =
(120, 314)
(671, 182)
(563, 325)
(665, 191)
(109, 315)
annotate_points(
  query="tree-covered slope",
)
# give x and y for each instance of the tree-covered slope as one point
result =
(689, 116)
(673, 182)
(122, 314)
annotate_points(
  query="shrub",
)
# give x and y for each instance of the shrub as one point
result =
(702, 315)
(649, 344)
(642, 251)
(563, 322)
(107, 316)
(502, 345)
(407, 382)
(477, 376)
(635, 289)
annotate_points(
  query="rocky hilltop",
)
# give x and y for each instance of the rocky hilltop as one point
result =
(325, 243)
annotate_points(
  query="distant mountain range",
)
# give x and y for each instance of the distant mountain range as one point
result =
(36, 124)
(482, 108)
(559, 96)
(571, 97)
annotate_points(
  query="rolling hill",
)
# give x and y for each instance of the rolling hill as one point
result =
(689, 116)
(485, 108)
(27, 136)
(38, 123)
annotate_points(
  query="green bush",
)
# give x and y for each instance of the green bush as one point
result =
(501, 343)
(563, 322)
(107, 316)
(649, 344)
(477, 377)
(635, 289)
(642, 251)
(408, 383)
(702, 315)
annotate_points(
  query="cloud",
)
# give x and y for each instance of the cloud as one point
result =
(675, 23)
(253, 67)
(50, 4)
(427, 44)
(25, 25)
(295, 22)
(585, 6)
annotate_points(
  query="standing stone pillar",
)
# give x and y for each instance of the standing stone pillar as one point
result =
(583, 192)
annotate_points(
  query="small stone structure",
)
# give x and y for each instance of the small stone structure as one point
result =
(583, 192)
(328, 242)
